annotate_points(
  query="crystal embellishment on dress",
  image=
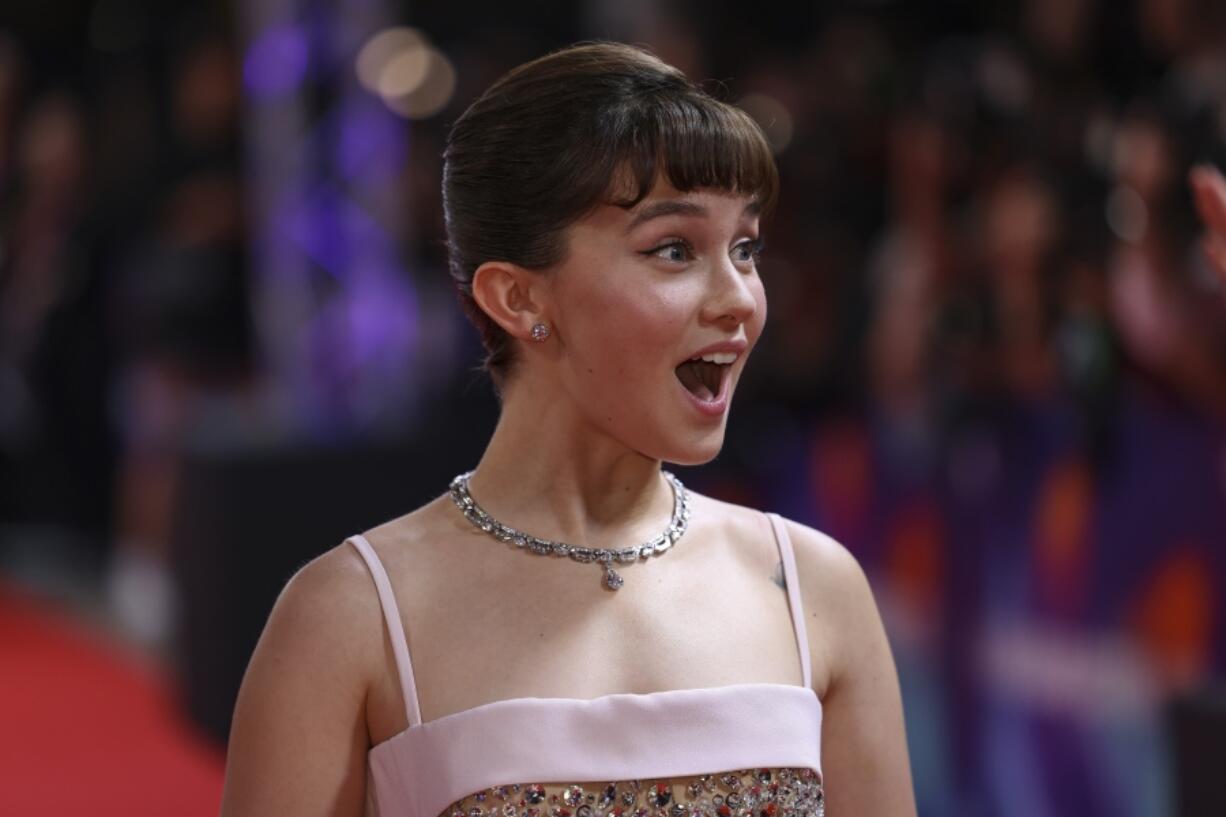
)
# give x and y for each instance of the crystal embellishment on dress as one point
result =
(745, 793)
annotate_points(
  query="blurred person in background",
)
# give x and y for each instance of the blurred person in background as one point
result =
(56, 446)
(186, 332)
(602, 218)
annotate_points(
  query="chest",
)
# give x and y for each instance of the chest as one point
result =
(482, 631)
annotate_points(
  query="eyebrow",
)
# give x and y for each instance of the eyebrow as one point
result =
(679, 207)
(670, 207)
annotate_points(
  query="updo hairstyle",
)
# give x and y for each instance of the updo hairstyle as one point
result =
(592, 124)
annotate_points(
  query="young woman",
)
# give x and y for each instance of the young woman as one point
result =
(567, 631)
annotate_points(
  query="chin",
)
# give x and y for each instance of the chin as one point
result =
(697, 452)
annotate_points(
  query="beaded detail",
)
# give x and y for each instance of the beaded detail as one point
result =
(745, 793)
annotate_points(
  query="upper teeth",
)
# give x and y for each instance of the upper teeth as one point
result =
(722, 358)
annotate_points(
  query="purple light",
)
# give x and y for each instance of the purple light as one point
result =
(371, 142)
(276, 61)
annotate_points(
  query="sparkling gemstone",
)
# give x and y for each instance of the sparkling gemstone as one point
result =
(659, 795)
(743, 793)
(561, 549)
(612, 579)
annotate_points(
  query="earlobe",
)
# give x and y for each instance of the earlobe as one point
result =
(504, 291)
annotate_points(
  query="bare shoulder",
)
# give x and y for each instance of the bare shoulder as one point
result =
(328, 614)
(840, 611)
(408, 545)
(745, 529)
(855, 677)
(823, 562)
(318, 654)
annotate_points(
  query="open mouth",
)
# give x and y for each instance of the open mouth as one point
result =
(703, 378)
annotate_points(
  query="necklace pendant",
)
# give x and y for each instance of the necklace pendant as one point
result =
(612, 579)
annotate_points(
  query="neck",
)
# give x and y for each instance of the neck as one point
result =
(549, 472)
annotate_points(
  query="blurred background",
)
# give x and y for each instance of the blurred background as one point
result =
(995, 367)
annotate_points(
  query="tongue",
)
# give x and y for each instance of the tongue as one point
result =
(687, 373)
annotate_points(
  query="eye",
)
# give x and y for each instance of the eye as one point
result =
(748, 251)
(674, 250)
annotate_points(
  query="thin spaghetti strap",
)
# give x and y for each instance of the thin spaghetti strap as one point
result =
(395, 630)
(793, 589)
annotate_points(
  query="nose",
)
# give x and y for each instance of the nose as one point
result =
(730, 299)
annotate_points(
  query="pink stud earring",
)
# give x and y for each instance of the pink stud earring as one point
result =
(540, 331)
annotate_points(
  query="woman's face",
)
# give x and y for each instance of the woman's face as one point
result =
(643, 292)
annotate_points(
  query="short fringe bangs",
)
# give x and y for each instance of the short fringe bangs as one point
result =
(696, 142)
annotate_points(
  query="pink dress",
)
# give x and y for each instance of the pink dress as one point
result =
(743, 750)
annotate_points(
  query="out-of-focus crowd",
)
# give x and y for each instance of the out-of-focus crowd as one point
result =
(996, 359)
(123, 290)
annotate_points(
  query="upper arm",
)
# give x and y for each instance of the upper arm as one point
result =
(299, 738)
(864, 750)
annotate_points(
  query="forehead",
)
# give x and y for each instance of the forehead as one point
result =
(665, 200)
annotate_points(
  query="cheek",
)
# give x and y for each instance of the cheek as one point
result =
(754, 326)
(629, 323)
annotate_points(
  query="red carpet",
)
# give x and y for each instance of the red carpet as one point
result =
(86, 728)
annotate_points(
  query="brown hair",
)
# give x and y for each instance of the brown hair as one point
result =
(550, 141)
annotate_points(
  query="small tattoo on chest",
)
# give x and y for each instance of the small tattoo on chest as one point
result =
(777, 577)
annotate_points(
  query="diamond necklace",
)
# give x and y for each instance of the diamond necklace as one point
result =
(603, 556)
